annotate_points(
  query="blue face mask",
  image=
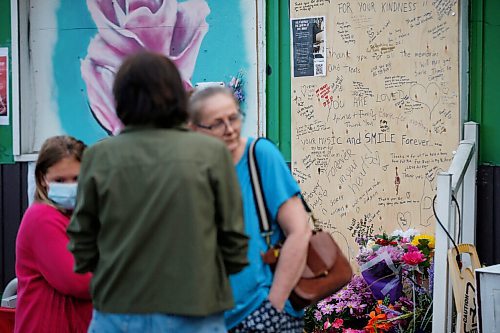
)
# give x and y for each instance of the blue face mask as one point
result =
(63, 195)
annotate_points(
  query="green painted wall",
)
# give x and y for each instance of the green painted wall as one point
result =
(5, 41)
(485, 76)
(278, 78)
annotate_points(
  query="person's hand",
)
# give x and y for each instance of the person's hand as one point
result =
(277, 303)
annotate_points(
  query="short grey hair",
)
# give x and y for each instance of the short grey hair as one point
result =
(200, 95)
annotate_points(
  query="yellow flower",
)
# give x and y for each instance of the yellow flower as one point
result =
(430, 238)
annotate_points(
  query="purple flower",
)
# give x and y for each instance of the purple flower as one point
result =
(431, 277)
(339, 295)
(412, 248)
(340, 306)
(317, 315)
(327, 309)
(322, 303)
(236, 84)
(389, 310)
(396, 253)
(364, 255)
(406, 302)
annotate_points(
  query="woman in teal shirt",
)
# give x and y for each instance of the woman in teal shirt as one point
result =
(260, 296)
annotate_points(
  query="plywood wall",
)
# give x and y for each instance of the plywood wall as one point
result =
(369, 138)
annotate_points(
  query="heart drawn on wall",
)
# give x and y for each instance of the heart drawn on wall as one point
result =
(404, 220)
(428, 96)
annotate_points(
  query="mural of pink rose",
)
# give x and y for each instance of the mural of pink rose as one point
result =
(128, 26)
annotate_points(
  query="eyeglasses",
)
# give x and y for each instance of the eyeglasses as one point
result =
(220, 126)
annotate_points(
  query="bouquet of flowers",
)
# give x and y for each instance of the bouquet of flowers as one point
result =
(236, 84)
(393, 292)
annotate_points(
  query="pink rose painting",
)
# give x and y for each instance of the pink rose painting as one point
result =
(128, 26)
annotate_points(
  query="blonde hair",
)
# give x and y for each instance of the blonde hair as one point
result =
(53, 150)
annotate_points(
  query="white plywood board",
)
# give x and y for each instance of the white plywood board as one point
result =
(370, 137)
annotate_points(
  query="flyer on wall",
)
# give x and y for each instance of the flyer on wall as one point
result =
(309, 46)
(4, 86)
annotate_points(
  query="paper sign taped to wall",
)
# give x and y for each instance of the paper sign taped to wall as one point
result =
(309, 46)
(4, 86)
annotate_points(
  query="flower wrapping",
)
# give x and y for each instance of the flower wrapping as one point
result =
(382, 277)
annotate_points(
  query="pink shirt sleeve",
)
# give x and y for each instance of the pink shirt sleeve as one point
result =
(55, 262)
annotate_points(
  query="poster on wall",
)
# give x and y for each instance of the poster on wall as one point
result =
(4, 86)
(76, 48)
(308, 46)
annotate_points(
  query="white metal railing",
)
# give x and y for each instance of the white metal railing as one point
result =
(459, 181)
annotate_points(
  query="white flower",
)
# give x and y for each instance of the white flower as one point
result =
(406, 234)
(370, 244)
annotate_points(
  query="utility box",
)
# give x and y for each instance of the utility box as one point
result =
(488, 296)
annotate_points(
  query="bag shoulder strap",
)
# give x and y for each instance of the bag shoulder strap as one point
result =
(260, 200)
(309, 211)
(258, 194)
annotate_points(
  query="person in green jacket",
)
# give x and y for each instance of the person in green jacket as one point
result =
(158, 218)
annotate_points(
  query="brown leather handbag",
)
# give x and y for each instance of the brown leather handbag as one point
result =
(327, 268)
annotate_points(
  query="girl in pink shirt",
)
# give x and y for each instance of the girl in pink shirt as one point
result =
(51, 297)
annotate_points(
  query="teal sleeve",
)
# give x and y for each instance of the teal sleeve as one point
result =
(277, 180)
(232, 241)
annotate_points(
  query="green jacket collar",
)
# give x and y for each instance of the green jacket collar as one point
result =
(137, 128)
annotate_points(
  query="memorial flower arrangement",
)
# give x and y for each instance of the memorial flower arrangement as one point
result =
(392, 293)
(236, 84)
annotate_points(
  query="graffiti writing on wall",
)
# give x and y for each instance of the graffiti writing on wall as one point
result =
(369, 138)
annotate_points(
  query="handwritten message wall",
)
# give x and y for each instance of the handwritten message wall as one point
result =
(369, 139)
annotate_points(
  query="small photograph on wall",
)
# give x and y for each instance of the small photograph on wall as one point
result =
(309, 46)
(4, 86)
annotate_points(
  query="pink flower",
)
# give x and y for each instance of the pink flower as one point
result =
(405, 240)
(412, 248)
(413, 258)
(338, 323)
(128, 26)
(327, 324)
